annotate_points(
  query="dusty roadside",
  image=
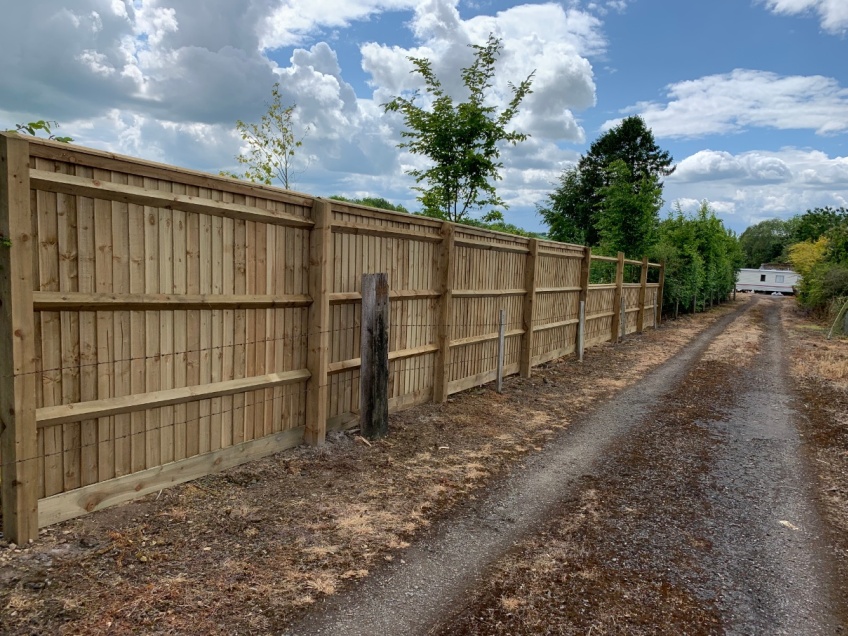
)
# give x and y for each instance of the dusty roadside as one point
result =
(246, 551)
(703, 522)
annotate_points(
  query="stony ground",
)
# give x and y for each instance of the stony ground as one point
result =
(251, 550)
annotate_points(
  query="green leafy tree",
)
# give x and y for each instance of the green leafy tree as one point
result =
(461, 140)
(271, 145)
(764, 242)
(629, 213)
(42, 126)
(573, 210)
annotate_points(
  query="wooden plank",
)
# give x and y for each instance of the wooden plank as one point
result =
(152, 447)
(317, 359)
(558, 290)
(107, 191)
(394, 294)
(105, 331)
(68, 281)
(341, 227)
(661, 287)
(643, 286)
(18, 438)
(138, 451)
(192, 431)
(554, 325)
(497, 247)
(374, 348)
(585, 270)
(572, 255)
(444, 312)
(487, 293)
(528, 312)
(401, 354)
(470, 340)
(53, 415)
(166, 328)
(115, 491)
(615, 330)
(553, 355)
(607, 259)
(122, 350)
(480, 379)
(67, 301)
(76, 155)
(179, 238)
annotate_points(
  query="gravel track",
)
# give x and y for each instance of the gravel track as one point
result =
(764, 571)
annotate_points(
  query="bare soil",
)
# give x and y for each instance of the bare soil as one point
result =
(725, 512)
(249, 550)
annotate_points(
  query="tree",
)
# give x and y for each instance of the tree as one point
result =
(271, 143)
(764, 242)
(462, 140)
(629, 213)
(42, 125)
(574, 208)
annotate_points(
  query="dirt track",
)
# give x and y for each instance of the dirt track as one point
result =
(668, 493)
(697, 509)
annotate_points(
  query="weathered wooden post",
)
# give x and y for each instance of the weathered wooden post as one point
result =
(374, 357)
(585, 268)
(444, 280)
(643, 292)
(18, 446)
(501, 335)
(527, 313)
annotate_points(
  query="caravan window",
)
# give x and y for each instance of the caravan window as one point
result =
(762, 278)
(778, 278)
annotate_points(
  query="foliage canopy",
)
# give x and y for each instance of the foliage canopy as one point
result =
(461, 140)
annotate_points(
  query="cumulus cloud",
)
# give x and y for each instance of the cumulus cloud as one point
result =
(833, 14)
(731, 102)
(759, 184)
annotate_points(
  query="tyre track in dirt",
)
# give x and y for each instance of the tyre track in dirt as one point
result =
(421, 587)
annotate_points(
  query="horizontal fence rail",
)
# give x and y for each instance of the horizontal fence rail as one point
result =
(158, 324)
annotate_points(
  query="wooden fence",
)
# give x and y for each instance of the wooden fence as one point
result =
(158, 324)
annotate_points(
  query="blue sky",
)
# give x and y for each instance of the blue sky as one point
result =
(749, 96)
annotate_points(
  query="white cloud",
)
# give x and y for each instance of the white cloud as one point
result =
(833, 14)
(728, 103)
(759, 184)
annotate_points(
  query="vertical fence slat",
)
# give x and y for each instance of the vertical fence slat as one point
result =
(445, 278)
(528, 310)
(615, 330)
(320, 281)
(658, 318)
(18, 441)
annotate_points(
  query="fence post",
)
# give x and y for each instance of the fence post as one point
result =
(317, 358)
(18, 446)
(658, 319)
(643, 288)
(501, 334)
(444, 279)
(530, 267)
(585, 268)
(616, 302)
(374, 357)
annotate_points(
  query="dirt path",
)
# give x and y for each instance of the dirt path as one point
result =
(686, 497)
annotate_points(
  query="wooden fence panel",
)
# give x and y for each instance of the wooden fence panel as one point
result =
(183, 323)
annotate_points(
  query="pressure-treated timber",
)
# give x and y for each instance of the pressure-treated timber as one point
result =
(485, 293)
(486, 337)
(658, 318)
(615, 330)
(106, 190)
(60, 301)
(53, 415)
(445, 278)
(18, 447)
(483, 245)
(643, 288)
(320, 283)
(389, 232)
(531, 269)
(352, 297)
(81, 501)
(402, 354)
(585, 270)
